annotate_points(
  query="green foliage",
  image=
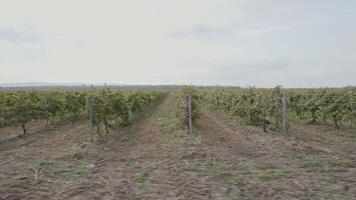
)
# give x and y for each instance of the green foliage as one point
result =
(237, 182)
(110, 106)
(15, 183)
(262, 107)
(142, 177)
(74, 104)
(343, 163)
(259, 107)
(270, 175)
(226, 173)
(245, 169)
(169, 125)
(3, 110)
(322, 105)
(57, 169)
(115, 107)
(319, 162)
(22, 107)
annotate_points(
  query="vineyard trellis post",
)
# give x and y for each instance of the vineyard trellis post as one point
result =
(90, 107)
(222, 101)
(190, 114)
(285, 115)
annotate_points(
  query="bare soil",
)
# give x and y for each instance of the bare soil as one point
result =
(151, 160)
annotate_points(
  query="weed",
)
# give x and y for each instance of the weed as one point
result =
(270, 175)
(319, 162)
(236, 181)
(44, 164)
(343, 163)
(226, 173)
(142, 177)
(81, 172)
(211, 163)
(168, 125)
(245, 169)
(15, 183)
(60, 170)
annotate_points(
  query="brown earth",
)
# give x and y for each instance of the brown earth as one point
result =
(155, 160)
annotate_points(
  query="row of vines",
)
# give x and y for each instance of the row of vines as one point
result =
(318, 106)
(259, 107)
(263, 107)
(111, 107)
(181, 107)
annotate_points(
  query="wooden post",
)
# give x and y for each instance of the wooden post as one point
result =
(90, 107)
(190, 114)
(285, 115)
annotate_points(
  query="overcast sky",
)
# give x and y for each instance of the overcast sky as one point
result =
(294, 43)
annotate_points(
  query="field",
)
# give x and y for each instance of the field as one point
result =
(141, 149)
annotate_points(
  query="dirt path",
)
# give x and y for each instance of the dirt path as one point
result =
(138, 163)
(274, 169)
(152, 160)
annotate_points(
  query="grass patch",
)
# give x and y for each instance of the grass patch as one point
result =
(142, 177)
(237, 182)
(57, 169)
(319, 162)
(212, 168)
(215, 169)
(245, 169)
(80, 172)
(342, 163)
(15, 183)
(226, 173)
(169, 125)
(211, 163)
(270, 175)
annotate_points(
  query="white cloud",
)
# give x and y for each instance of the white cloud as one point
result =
(202, 31)
(163, 42)
(279, 27)
(23, 34)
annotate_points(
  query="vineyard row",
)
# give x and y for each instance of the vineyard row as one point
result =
(111, 108)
